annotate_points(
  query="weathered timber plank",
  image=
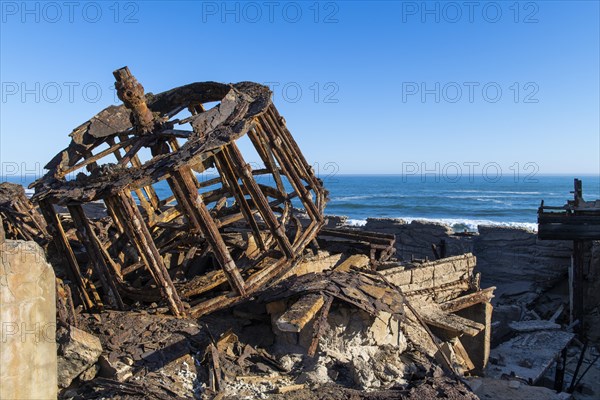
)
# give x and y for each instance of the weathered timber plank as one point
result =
(434, 316)
(300, 313)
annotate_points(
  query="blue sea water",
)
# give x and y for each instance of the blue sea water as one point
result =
(463, 204)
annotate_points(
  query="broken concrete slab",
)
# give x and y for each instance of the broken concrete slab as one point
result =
(533, 325)
(78, 350)
(528, 355)
(500, 389)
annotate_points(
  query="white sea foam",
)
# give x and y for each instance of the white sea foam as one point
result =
(494, 191)
(356, 222)
(371, 196)
(471, 224)
(458, 224)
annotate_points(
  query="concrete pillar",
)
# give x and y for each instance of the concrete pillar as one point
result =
(28, 323)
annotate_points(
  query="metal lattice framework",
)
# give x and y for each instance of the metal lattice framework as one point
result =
(211, 242)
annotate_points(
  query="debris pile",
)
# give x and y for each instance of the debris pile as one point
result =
(19, 218)
(231, 286)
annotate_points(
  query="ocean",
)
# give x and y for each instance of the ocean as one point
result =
(463, 204)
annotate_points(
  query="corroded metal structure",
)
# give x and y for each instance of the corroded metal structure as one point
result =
(210, 242)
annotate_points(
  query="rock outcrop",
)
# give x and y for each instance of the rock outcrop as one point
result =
(505, 255)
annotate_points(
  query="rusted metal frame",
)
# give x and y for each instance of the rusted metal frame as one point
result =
(265, 171)
(259, 131)
(86, 235)
(189, 256)
(113, 205)
(209, 182)
(260, 278)
(145, 294)
(229, 178)
(260, 200)
(577, 290)
(271, 192)
(209, 229)
(319, 326)
(64, 247)
(111, 141)
(295, 149)
(131, 93)
(298, 226)
(180, 240)
(111, 212)
(253, 283)
(173, 143)
(172, 133)
(212, 280)
(166, 216)
(16, 226)
(260, 142)
(290, 165)
(226, 219)
(115, 268)
(133, 149)
(112, 149)
(149, 190)
(267, 157)
(272, 117)
(309, 234)
(137, 230)
(150, 209)
(118, 245)
(379, 241)
(213, 304)
(184, 206)
(166, 201)
(131, 268)
(87, 153)
(29, 211)
(293, 177)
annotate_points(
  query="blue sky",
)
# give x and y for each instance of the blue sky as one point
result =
(365, 87)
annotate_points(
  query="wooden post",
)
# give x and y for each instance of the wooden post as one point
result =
(261, 201)
(64, 247)
(90, 241)
(188, 196)
(130, 217)
(577, 285)
(230, 179)
(478, 346)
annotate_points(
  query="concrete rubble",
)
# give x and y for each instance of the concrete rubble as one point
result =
(77, 352)
(240, 287)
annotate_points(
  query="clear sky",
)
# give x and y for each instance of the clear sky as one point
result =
(368, 87)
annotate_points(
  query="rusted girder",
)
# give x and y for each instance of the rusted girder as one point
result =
(208, 242)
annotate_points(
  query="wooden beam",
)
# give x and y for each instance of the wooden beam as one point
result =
(64, 247)
(86, 234)
(459, 303)
(137, 230)
(201, 216)
(301, 312)
(455, 324)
